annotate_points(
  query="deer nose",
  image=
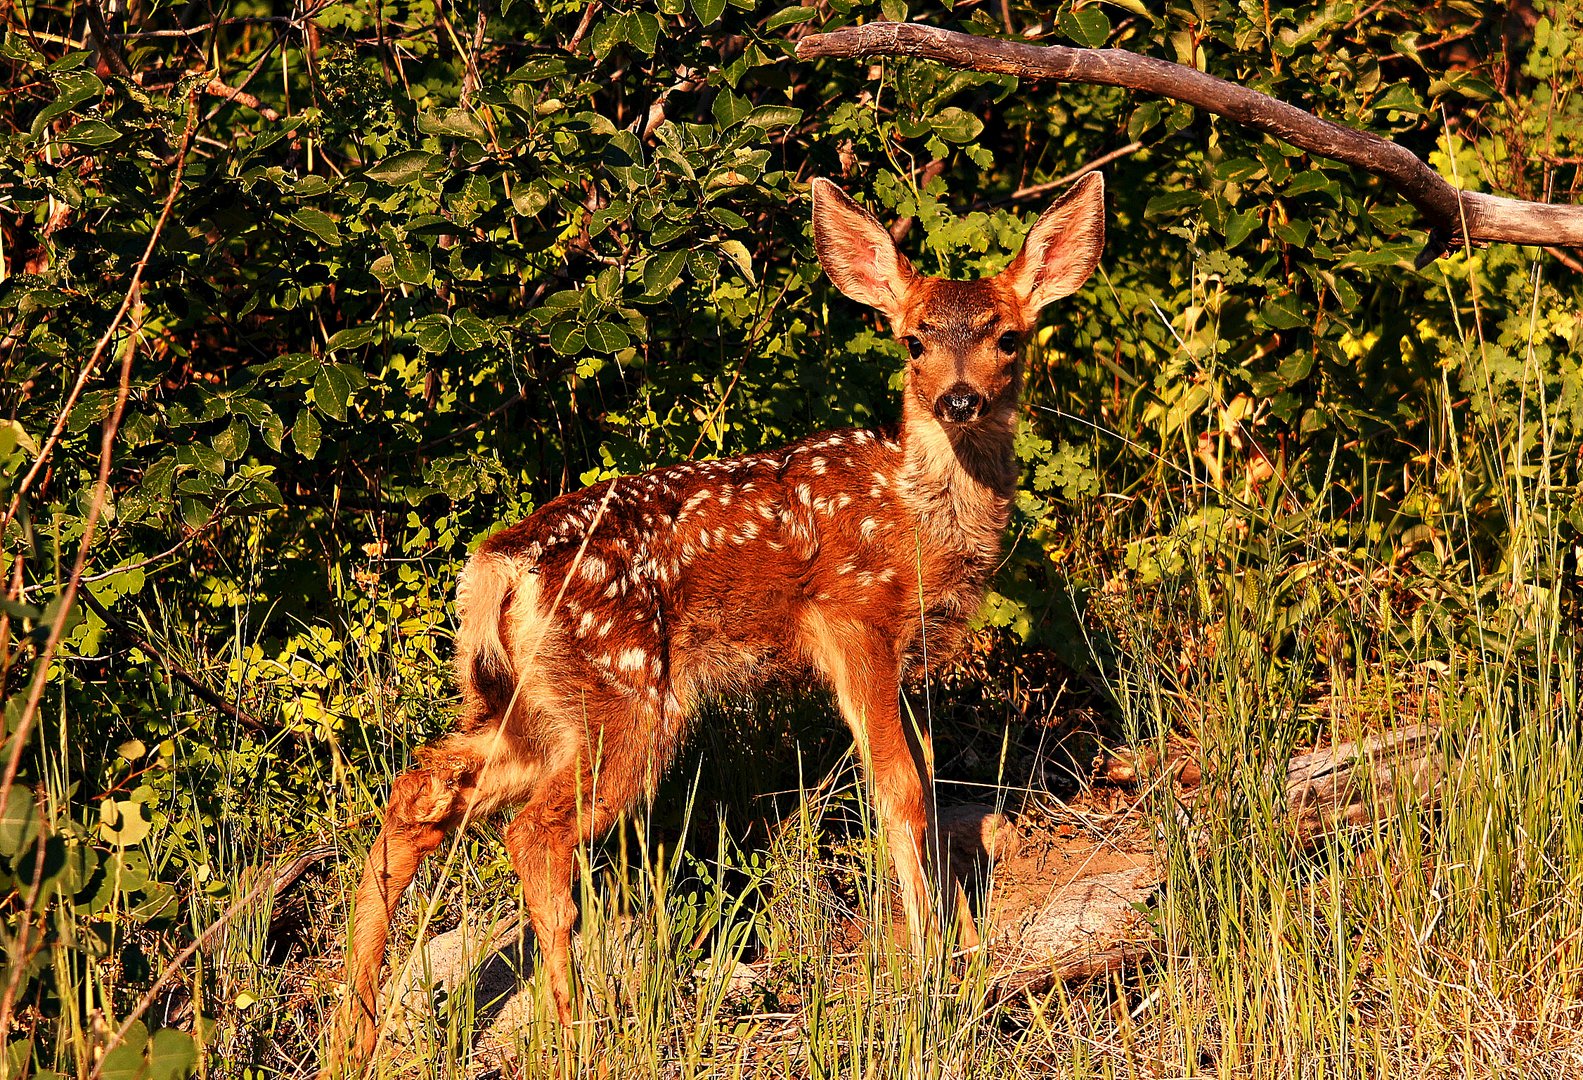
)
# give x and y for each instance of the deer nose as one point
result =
(959, 404)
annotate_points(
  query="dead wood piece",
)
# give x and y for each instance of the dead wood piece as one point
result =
(976, 836)
(1089, 927)
(1454, 217)
(1354, 783)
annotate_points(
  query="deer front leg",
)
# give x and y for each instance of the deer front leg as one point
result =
(865, 673)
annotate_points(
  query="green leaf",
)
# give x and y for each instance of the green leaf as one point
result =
(469, 332)
(774, 116)
(567, 338)
(1295, 368)
(407, 167)
(529, 200)
(92, 133)
(607, 337)
(708, 10)
(305, 433)
(1171, 202)
(433, 333)
(1143, 118)
(171, 1055)
(1401, 97)
(1087, 26)
(272, 431)
(74, 88)
(662, 270)
(331, 390)
(125, 1062)
(730, 110)
(728, 218)
(353, 337)
(737, 252)
(956, 125)
(1283, 312)
(18, 820)
(788, 16)
(643, 31)
(458, 123)
(412, 266)
(705, 265)
(1237, 226)
(231, 443)
(124, 823)
(319, 224)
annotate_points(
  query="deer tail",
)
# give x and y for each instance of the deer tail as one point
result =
(481, 597)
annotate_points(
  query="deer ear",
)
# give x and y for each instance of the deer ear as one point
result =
(857, 252)
(1062, 248)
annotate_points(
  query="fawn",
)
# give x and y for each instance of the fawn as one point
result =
(592, 630)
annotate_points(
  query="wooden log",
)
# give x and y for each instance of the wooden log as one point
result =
(1093, 927)
(1354, 783)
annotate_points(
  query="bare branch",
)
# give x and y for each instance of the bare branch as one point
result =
(1487, 217)
(177, 671)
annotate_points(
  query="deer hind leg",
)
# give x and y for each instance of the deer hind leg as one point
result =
(572, 805)
(459, 778)
(542, 840)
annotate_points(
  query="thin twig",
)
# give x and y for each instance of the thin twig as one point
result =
(1033, 191)
(180, 673)
(584, 26)
(1564, 259)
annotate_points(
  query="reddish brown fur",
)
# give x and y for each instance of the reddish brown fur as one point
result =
(592, 630)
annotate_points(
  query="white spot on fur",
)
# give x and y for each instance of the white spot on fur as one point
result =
(866, 527)
(593, 568)
(632, 659)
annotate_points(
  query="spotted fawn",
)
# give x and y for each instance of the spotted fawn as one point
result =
(591, 632)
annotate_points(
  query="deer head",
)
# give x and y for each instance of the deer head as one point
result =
(964, 338)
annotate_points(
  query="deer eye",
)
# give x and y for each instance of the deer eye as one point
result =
(914, 346)
(1007, 342)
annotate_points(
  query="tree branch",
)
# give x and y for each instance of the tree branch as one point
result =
(177, 671)
(1454, 217)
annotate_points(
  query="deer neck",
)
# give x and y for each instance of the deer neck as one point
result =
(960, 479)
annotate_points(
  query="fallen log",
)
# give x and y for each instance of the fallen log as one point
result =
(1094, 926)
